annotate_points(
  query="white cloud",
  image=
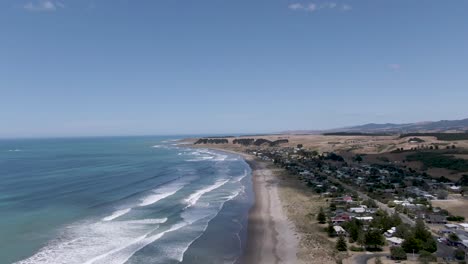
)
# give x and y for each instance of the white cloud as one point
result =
(329, 5)
(311, 7)
(43, 5)
(394, 66)
(296, 6)
(346, 7)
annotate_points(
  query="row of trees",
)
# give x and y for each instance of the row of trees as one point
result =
(258, 142)
(212, 141)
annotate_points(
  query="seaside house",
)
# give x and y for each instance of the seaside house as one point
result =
(357, 210)
(464, 226)
(395, 241)
(339, 231)
(364, 218)
(389, 233)
(436, 219)
(341, 218)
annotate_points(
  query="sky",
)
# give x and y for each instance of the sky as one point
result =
(161, 67)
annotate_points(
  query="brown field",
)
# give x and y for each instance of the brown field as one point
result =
(457, 206)
(377, 148)
(355, 144)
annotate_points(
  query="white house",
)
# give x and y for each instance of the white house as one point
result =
(365, 218)
(358, 210)
(339, 230)
(390, 232)
(395, 241)
(464, 226)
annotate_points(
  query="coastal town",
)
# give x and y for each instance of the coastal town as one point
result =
(375, 209)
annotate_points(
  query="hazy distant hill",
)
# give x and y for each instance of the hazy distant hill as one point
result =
(437, 126)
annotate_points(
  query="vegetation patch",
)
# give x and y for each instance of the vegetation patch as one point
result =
(439, 136)
(439, 160)
(356, 134)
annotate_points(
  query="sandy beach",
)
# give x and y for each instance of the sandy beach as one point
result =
(282, 226)
(271, 236)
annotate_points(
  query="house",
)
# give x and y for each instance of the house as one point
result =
(464, 226)
(436, 219)
(371, 210)
(364, 218)
(358, 210)
(451, 226)
(395, 241)
(347, 199)
(341, 218)
(339, 231)
(390, 232)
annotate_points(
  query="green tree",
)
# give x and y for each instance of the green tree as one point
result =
(358, 158)
(330, 230)
(341, 244)
(395, 220)
(459, 254)
(411, 244)
(420, 231)
(403, 231)
(398, 253)
(361, 240)
(353, 227)
(321, 218)
(374, 239)
(453, 237)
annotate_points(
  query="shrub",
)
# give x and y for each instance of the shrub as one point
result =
(341, 244)
(356, 249)
(426, 257)
(459, 254)
(321, 218)
(456, 218)
(398, 253)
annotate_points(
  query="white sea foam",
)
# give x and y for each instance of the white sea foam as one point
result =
(239, 178)
(116, 214)
(98, 242)
(193, 198)
(155, 196)
(236, 193)
(147, 221)
(204, 154)
(160, 194)
(123, 254)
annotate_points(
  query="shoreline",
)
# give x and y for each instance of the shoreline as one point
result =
(271, 236)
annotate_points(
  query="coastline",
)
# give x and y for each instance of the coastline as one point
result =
(271, 236)
(281, 223)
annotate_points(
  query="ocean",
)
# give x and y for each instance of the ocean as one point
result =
(121, 200)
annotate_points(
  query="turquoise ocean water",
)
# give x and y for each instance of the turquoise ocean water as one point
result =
(120, 200)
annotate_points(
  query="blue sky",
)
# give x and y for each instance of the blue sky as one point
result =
(132, 67)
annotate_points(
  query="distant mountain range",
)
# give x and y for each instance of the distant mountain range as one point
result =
(436, 126)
